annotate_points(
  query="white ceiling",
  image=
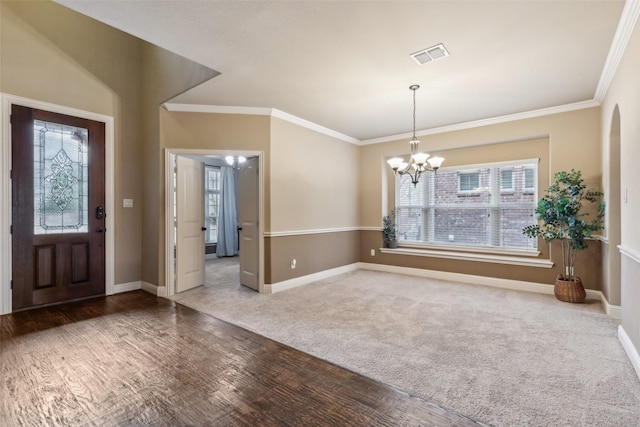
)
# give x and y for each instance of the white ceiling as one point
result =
(345, 65)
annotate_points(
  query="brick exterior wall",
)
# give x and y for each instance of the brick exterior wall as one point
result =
(467, 217)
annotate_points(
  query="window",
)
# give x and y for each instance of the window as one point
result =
(468, 207)
(211, 202)
(506, 179)
(529, 179)
(468, 181)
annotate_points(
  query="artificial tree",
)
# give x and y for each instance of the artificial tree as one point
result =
(562, 215)
(389, 230)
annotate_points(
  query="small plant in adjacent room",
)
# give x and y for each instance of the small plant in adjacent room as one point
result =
(389, 230)
(563, 217)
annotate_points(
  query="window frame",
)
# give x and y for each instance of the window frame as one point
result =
(511, 189)
(525, 189)
(469, 172)
(206, 193)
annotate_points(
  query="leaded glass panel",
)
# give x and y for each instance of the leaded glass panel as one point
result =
(61, 172)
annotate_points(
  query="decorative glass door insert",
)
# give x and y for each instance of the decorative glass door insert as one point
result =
(61, 185)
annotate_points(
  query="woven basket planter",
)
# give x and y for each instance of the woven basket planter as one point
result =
(569, 291)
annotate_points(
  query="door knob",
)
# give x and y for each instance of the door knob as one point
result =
(204, 228)
(99, 230)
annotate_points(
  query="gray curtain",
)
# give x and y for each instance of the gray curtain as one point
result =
(227, 215)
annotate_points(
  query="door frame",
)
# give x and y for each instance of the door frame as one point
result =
(169, 160)
(6, 272)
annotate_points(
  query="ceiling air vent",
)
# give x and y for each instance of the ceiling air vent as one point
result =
(430, 54)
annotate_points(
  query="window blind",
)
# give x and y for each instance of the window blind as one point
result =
(485, 207)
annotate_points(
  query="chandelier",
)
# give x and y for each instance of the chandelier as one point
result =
(418, 162)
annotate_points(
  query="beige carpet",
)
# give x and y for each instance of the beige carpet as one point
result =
(502, 357)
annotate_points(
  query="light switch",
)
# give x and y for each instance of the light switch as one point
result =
(127, 203)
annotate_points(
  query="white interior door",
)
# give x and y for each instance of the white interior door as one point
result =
(248, 213)
(190, 223)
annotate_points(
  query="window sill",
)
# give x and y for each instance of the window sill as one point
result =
(468, 256)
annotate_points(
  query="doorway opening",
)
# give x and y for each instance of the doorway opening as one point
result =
(199, 219)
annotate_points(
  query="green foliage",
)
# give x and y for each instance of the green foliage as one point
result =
(562, 216)
(389, 227)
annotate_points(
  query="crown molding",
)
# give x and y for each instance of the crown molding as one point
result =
(257, 111)
(626, 25)
(310, 125)
(491, 121)
(216, 109)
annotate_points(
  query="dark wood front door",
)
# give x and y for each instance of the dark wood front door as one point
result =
(58, 218)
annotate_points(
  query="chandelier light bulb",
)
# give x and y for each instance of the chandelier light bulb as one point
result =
(395, 163)
(436, 162)
(418, 162)
(420, 158)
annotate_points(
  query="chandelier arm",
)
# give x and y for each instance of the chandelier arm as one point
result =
(415, 177)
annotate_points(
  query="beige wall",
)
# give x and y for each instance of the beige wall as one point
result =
(561, 142)
(611, 260)
(300, 192)
(164, 75)
(313, 253)
(624, 93)
(314, 180)
(314, 186)
(52, 54)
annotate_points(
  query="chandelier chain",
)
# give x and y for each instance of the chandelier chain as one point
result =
(414, 141)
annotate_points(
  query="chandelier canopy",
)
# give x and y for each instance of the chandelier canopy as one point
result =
(418, 162)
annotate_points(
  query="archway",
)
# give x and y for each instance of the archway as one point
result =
(612, 269)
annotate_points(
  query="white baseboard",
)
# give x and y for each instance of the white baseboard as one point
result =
(541, 288)
(159, 291)
(303, 280)
(630, 349)
(614, 311)
(126, 287)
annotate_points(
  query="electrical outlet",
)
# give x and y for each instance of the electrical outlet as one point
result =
(373, 252)
(293, 263)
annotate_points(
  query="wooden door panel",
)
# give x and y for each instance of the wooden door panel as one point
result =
(249, 235)
(58, 182)
(80, 262)
(45, 266)
(190, 270)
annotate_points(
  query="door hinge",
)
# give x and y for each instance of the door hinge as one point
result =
(11, 174)
(12, 285)
(10, 119)
(11, 229)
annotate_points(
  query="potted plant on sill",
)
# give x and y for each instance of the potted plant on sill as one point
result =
(389, 231)
(563, 218)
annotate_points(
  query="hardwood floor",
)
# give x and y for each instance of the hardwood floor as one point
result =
(134, 359)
